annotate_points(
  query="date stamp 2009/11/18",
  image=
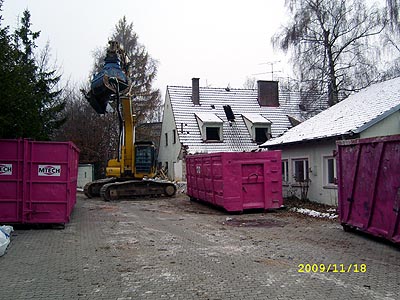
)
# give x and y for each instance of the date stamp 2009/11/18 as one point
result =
(334, 268)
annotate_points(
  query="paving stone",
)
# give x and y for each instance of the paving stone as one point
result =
(177, 249)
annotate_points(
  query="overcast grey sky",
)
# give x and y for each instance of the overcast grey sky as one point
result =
(220, 41)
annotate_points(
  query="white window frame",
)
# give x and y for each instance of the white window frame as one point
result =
(285, 171)
(306, 168)
(253, 121)
(206, 120)
(326, 171)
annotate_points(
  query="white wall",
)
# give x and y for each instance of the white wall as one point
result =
(388, 126)
(319, 190)
(85, 175)
(169, 153)
(180, 170)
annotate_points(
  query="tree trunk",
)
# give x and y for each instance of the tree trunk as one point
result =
(333, 96)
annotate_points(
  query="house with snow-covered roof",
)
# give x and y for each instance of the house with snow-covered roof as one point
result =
(308, 149)
(208, 120)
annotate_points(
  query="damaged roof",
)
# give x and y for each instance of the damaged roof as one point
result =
(353, 115)
(236, 136)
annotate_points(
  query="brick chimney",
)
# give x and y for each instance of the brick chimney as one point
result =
(195, 91)
(268, 94)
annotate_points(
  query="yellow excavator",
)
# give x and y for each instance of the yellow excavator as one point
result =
(131, 174)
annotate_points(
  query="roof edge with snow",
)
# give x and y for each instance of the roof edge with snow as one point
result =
(353, 115)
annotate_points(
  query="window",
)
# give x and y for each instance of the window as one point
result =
(166, 139)
(144, 159)
(212, 134)
(330, 171)
(210, 126)
(300, 170)
(258, 126)
(285, 171)
(174, 136)
(261, 135)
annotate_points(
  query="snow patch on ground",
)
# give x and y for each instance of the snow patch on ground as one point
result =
(314, 213)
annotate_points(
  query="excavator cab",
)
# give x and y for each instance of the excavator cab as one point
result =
(145, 159)
(144, 165)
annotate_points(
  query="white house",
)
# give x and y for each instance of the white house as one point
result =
(207, 120)
(308, 149)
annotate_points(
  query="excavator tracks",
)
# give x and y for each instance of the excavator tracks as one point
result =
(92, 189)
(136, 188)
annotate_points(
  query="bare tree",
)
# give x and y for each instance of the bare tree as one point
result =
(95, 135)
(331, 45)
(393, 11)
(250, 83)
(392, 38)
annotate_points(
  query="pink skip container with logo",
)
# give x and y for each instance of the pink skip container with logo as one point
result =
(37, 181)
(236, 181)
(369, 185)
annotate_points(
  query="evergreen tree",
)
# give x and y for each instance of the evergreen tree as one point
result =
(30, 104)
(142, 71)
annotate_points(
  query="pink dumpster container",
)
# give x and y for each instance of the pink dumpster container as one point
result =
(369, 185)
(37, 181)
(236, 181)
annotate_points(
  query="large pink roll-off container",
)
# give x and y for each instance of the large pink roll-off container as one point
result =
(369, 185)
(236, 181)
(37, 181)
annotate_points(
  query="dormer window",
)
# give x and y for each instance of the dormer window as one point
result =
(213, 134)
(261, 135)
(210, 126)
(258, 127)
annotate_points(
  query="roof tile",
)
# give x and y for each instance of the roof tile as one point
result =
(235, 134)
(352, 115)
